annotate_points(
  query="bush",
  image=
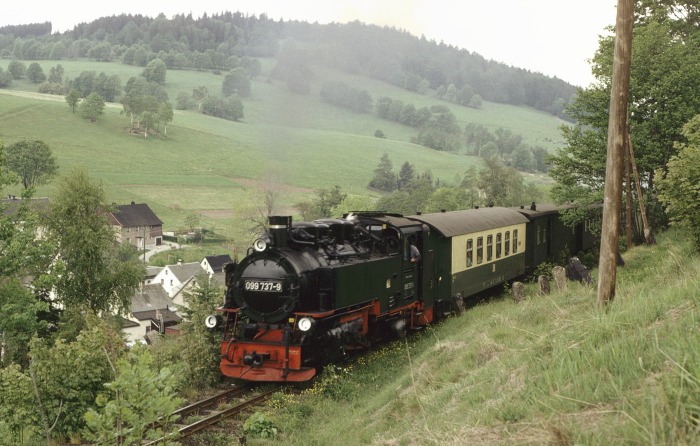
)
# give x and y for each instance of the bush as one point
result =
(5, 78)
(51, 88)
(258, 425)
(678, 187)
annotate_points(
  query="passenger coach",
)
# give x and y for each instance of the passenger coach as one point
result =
(469, 251)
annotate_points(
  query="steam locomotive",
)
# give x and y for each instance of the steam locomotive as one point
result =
(307, 291)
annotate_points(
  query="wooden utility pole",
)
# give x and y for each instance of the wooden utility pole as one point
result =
(617, 131)
(648, 234)
(628, 199)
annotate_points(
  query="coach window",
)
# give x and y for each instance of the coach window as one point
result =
(470, 252)
(479, 250)
(515, 241)
(489, 248)
(539, 236)
(498, 245)
(507, 243)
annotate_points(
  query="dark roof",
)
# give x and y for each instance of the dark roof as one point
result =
(9, 205)
(168, 316)
(128, 323)
(152, 271)
(536, 210)
(131, 215)
(151, 297)
(217, 262)
(454, 223)
(541, 209)
(186, 271)
(391, 219)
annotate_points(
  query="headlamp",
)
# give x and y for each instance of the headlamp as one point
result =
(305, 324)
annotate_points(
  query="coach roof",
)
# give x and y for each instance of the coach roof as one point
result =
(454, 223)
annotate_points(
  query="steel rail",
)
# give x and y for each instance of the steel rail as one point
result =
(204, 423)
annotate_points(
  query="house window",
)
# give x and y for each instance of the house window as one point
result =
(470, 252)
(498, 245)
(479, 250)
(507, 243)
(171, 283)
(515, 241)
(489, 248)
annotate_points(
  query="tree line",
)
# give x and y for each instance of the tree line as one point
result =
(408, 191)
(438, 129)
(143, 98)
(209, 42)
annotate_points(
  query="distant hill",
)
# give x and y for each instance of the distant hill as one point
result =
(210, 42)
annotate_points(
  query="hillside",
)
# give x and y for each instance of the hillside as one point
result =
(222, 40)
(551, 370)
(214, 168)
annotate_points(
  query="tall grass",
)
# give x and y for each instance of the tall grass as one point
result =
(552, 370)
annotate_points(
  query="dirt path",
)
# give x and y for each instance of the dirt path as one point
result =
(46, 97)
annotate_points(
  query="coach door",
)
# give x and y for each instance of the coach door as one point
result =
(412, 270)
(427, 280)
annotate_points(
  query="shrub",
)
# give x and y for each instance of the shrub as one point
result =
(258, 425)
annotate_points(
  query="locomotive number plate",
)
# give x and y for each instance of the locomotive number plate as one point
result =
(259, 285)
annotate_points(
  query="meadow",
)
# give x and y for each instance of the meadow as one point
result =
(215, 168)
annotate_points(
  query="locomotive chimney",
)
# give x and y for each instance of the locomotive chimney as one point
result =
(279, 226)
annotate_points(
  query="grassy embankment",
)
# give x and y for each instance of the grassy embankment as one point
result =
(213, 168)
(552, 370)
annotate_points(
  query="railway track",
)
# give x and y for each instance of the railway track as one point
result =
(216, 416)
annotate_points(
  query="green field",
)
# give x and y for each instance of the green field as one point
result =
(214, 168)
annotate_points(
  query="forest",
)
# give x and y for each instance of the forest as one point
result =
(219, 41)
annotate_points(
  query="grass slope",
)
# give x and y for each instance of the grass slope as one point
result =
(214, 168)
(552, 370)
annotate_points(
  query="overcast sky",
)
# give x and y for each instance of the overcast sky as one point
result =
(553, 37)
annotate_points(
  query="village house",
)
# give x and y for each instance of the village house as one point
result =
(151, 309)
(215, 264)
(151, 273)
(10, 207)
(137, 225)
(175, 278)
(156, 305)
